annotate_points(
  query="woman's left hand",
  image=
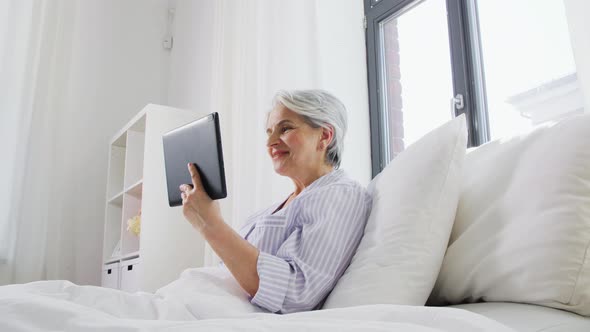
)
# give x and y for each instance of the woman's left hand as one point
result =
(198, 208)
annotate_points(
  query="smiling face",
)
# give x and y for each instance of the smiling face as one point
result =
(296, 148)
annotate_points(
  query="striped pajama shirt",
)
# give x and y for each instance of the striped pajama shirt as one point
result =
(306, 246)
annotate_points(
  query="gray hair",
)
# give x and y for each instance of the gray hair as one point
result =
(318, 108)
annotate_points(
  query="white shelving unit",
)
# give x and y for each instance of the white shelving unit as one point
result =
(137, 183)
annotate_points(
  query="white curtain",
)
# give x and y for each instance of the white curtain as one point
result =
(30, 33)
(239, 53)
(259, 47)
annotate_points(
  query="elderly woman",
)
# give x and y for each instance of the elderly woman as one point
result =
(289, 256)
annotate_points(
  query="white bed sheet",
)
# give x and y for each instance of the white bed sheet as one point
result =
(530, 318)
(63, 306)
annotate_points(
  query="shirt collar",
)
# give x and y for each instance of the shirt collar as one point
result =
(325, 179)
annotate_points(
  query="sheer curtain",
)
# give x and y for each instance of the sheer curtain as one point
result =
(259, 47)
(241, 53)
(29, 103)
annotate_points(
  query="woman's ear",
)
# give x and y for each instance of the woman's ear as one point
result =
(326, 137)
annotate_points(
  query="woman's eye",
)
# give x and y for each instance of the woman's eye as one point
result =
(285, 129)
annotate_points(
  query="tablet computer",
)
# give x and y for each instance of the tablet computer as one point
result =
(197, 142)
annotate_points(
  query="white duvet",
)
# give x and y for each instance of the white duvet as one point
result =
(204, 300)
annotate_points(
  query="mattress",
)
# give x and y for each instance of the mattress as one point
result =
(530, 318)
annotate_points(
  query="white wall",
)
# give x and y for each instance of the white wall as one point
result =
(189, 84)
(578, 12)
(117, 65)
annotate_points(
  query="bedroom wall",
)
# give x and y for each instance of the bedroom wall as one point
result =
(578, 12)
(117, 65)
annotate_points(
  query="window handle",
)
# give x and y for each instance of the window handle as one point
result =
(458, 102)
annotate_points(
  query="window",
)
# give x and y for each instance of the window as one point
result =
(415, 58)
(506, 64)
(528, 64)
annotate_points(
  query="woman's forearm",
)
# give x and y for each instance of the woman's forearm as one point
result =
(238, 255)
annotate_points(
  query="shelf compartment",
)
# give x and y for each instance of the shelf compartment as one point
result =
(120, 141)
(117, 199)
(112, 230)
(139, 125)
(116, 170)
(136, 189)
(134, 157)
(131, 208)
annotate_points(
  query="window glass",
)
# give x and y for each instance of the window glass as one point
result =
(529, 69)
(416, 74)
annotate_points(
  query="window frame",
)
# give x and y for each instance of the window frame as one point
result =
(466, 64)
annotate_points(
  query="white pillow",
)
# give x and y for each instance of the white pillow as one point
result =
(522, 231)
(414, 203)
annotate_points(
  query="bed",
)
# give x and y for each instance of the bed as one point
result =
(203, 300)
(528, 317)
(64, 306)
(496, 239)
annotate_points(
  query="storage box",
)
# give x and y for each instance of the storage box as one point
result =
(110, 275)
(129, 274)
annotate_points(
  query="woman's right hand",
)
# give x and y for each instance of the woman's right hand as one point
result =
(198, 208)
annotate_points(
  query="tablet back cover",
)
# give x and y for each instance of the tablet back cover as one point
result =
(197, 142)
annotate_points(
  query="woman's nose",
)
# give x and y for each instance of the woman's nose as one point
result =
(271, 140)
